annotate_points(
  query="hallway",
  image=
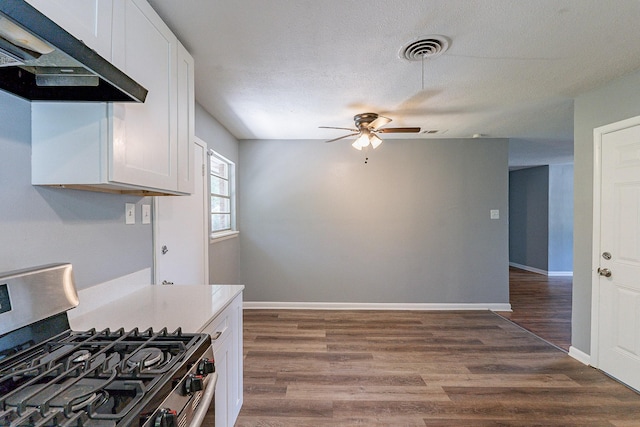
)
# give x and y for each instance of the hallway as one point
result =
(541, 305)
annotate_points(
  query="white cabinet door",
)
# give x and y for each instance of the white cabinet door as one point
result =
(222, 357)
(186, 121)
(144, 148)
(86, 20)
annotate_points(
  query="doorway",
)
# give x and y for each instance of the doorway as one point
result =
(541, 250)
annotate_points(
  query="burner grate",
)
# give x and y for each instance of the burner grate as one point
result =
(93, 378)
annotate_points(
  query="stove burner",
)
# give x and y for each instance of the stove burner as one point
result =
(80, 356)
(78, 395)
(149, 356)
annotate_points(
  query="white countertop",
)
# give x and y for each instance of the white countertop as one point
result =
(190, 307)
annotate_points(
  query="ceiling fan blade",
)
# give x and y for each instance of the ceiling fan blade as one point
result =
(399, 130)
(379, 122)
(332, 127)
(342, 137)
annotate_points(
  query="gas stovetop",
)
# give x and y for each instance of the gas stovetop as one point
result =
(100, 377)
(51, 376)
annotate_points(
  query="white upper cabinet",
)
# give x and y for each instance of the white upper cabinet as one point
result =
(125, 147)
(86, 20)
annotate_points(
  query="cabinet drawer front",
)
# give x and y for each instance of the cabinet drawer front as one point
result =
(220, 328)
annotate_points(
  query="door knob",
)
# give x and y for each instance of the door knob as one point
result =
(604, 272)
(164, 249)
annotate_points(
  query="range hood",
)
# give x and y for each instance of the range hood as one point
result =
(40, 61)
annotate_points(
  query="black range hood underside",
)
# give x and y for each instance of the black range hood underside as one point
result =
(23, 83)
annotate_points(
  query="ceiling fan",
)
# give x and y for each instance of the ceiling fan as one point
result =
(368, 125)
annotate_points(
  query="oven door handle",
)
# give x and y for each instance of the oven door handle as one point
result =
(205, 402)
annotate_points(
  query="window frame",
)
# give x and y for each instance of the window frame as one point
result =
(215, 236)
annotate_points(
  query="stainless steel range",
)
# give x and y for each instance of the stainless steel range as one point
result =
(52, 376)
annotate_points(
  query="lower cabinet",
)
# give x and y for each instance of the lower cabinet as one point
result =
(227, 354)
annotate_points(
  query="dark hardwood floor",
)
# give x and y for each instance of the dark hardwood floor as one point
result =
(541, 305)
(409, 368)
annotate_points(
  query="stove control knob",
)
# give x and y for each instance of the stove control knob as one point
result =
(206, 366)
(166, 418)
(193, 383)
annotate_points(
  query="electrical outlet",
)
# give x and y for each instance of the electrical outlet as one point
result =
(146, 214)
(129, 213)
(494, 214)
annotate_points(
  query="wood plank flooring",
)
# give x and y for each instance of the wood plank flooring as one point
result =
(407, 368)
(541, 305)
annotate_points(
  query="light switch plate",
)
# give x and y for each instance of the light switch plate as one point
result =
(146, 214)
(129, 213)
(495, 214)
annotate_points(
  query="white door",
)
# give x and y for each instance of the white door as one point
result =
(180, 233)
(616, 257)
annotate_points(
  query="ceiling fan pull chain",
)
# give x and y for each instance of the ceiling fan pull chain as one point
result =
(423, 71)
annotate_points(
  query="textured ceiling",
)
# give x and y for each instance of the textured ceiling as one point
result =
(280, 68)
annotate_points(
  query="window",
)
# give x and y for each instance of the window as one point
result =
(222, 173)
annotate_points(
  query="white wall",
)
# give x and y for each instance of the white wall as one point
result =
(609, 103)
(411, 226)
(224, 256)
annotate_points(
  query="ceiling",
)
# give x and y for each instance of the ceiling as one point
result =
(278, 69)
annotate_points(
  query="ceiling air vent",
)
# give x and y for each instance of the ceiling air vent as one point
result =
(425, 48)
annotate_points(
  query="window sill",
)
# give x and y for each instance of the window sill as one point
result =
(223, 235)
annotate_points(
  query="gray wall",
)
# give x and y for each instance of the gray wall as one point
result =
(612, 102)
(224, 256)
(529, 217)
(541, 217)
(411, 226)
(561, 218)
(40, 225)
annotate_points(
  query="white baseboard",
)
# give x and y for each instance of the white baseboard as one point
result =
(560, 273)
(373, 306)
(540, 271)
(579, 355)
(527, 268)
(104, 293)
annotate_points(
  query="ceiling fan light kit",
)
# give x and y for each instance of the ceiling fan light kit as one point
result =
(365, 139)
